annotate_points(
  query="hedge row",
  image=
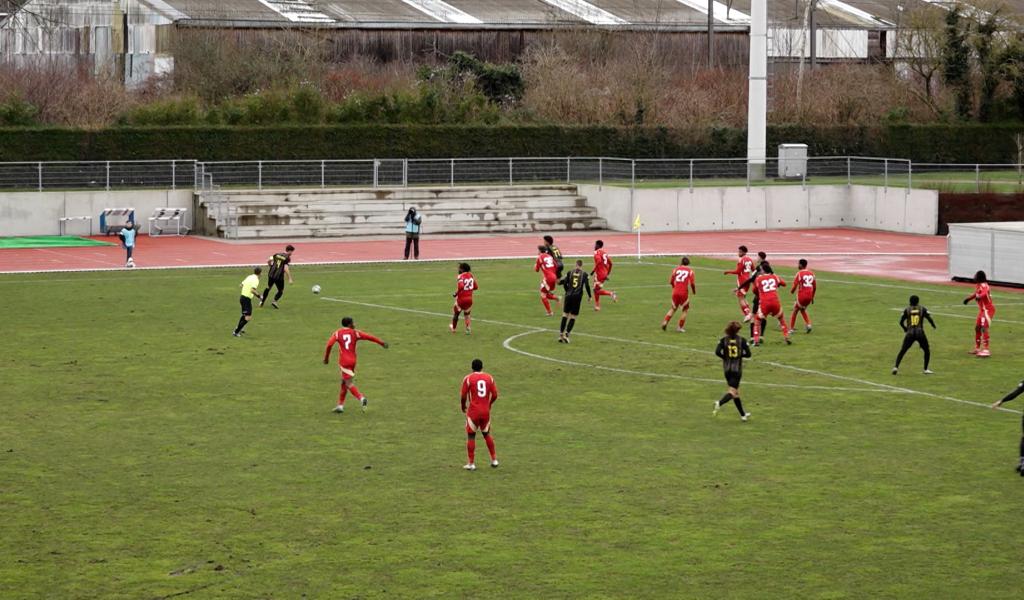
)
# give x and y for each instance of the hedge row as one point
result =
(925, 143)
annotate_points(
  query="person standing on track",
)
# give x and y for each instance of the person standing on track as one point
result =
(249, 286)
(912, 323)
(574, 282)
(1017, 392)
(732, 349)
(127, 236)
(478, 395)
(602, 271)
(413, 227)
(806, 284)
(465, 285)
(278, 264)
(986, 310)
(682, 282)
(346, 338)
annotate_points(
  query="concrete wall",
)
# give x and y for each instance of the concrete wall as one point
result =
(36, 213)
(768, 207)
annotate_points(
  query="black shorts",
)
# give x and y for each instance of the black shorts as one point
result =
(732, 378)
(572, 304)
(246, 305)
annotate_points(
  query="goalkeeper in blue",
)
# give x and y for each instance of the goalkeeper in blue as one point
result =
(1017, 392)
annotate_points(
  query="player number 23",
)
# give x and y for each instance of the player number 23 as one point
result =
(467, 284)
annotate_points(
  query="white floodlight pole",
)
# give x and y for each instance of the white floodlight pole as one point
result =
(757, 100)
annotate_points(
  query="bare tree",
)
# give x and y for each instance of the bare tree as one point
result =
(917, 52)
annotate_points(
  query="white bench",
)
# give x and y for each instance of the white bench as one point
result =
(163, 217)
(113, 220)
(62, 223)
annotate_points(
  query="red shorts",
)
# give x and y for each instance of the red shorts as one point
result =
(549, 284)
(985, 318)
(681, 300)
(770, 308)
(464, 304)
(599, 279)
(804, 300)
(478, 421)
(742, 292)
(348, 370)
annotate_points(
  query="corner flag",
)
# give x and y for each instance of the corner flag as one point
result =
(636, 223)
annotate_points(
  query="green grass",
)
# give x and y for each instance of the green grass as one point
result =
(144, 452)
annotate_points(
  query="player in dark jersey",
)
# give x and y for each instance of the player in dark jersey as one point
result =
(732, 349)
(574, 283)
(278, 264)
(552, 249)
(912, 323)
(1007, 398)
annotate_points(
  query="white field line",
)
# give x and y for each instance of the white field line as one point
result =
(877, 387)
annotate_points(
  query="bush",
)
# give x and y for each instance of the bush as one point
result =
(173, 111)
(16, 112)
(930, 143)
(307, 105)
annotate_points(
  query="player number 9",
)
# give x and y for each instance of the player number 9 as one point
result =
(481, 388)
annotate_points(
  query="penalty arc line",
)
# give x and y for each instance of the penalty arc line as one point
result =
(876, 386)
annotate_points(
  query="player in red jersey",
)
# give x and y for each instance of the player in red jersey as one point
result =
(986, 310)
(346, 338)
(768, 285)
(602, 269)
(548, 269)
(465, 285)
(744, 272)
(682, 284)
(478, 395)
(805, 285)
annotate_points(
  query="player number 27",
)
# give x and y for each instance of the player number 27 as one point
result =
(481, 388)
(681, 276)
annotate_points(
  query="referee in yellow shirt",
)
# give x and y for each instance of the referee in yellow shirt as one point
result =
(249, 285)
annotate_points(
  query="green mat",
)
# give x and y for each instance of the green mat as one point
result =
(49, 241)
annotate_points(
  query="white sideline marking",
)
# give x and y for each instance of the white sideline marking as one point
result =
(507, 344)
(877, 386)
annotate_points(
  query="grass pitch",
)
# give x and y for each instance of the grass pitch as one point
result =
(144, 452)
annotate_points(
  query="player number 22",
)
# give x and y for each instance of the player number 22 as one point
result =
(769, 285)
(481, 388)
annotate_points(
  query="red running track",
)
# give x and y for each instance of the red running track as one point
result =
(894, 255)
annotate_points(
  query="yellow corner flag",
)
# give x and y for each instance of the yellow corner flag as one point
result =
(637, 223)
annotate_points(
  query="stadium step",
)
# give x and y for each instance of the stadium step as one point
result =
(332, 213)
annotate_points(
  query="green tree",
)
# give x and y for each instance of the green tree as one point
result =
(956, 62)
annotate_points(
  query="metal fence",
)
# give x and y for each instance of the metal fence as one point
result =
(453, 172)
(98, 175)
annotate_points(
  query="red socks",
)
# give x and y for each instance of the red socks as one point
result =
(471, 449)
(545, 301)
(490, 446)
(744, 306)
(342, 394)
(355, 392)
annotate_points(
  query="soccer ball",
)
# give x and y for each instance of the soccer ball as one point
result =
(316, 289)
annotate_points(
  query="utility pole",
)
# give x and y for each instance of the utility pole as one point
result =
(711, 34)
